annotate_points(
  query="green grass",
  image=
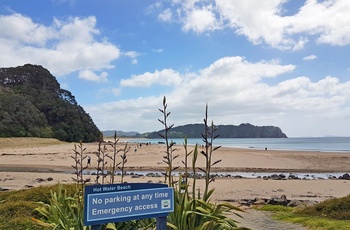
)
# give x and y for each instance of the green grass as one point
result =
(17, 207)
(322, 216)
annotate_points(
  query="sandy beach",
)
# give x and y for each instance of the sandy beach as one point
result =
(26, 162)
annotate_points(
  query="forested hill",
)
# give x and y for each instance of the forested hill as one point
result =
(224, 131)
(32, 104)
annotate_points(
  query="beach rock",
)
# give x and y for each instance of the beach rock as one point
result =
(307, 203)
(150, 174)
(39, 180)
(278, 201)
(28, 186)
(293, 177)
(259, 201)
(294, 203)
(3, 189)
(49, 179)
(278, 177)
(346, 176)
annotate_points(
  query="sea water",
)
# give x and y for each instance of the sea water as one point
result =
(321, 144)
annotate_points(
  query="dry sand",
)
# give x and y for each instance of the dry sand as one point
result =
(24, 160)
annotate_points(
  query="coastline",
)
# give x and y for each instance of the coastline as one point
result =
(31, 164)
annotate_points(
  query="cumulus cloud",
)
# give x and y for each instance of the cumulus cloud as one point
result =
(310, 57)
(237, 92)
(200, 20)
(63, 47)
(91, 76)
(163, 77)
(263, 21)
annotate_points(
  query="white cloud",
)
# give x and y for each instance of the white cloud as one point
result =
(166, 15)
(200, 20)
(164, 77)
(133, 55)
(63, 47)
(236, 92)
(310, 57)
(91, 76)
(263, 21)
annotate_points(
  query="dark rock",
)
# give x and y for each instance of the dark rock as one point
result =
(293, 177)
(346, 176)
(3, 189)
(276, 177)
(39, 180)
(278, 201)
(49, 179)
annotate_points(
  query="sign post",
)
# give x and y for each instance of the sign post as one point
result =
(129, 201)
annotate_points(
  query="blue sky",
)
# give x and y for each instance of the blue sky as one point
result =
(264, 62)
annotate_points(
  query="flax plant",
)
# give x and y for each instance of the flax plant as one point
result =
(208, 138)
(191, 210)
(114, 157)
(102, 156)
(63, 211)
(79, 167)
(168, 157)
(121, 165)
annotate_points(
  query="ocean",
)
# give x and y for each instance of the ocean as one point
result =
(321, 144)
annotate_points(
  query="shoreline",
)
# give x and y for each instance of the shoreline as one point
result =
(27, 162)
(69, 169)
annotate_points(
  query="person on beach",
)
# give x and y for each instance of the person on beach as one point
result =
(89, 161)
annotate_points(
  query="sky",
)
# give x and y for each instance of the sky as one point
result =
(264, 62)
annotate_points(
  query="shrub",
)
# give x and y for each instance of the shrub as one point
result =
(336, 208)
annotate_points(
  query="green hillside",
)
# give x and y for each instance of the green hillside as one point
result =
(32, 104)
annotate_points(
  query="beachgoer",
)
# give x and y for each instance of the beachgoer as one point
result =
(89, 160)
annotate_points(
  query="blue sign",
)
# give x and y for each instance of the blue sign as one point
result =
(123, 202)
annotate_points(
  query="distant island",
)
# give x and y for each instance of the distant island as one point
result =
(244, 130)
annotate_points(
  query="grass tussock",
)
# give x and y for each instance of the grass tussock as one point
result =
(18, 207)
(335, 209)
